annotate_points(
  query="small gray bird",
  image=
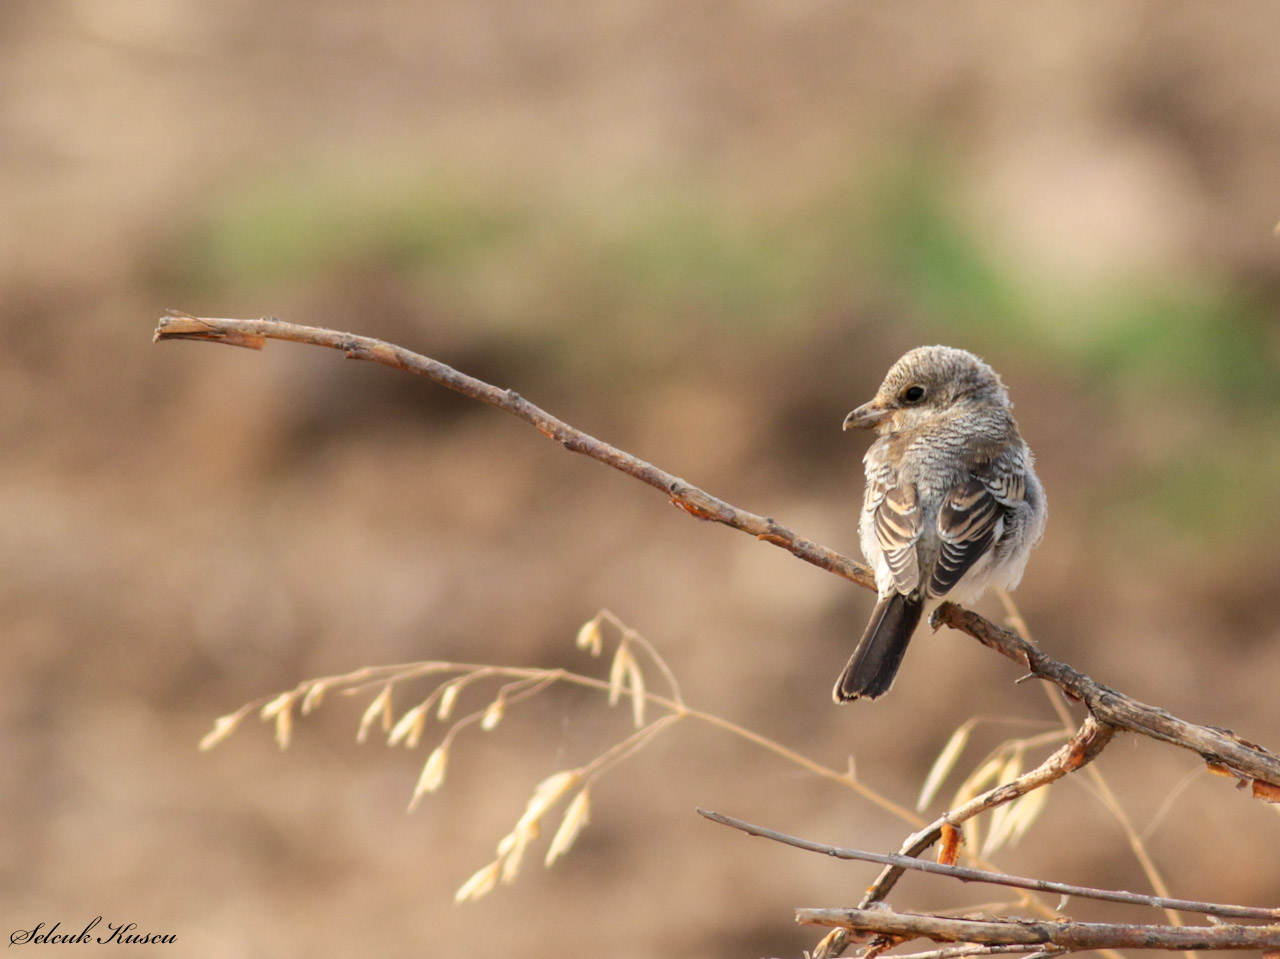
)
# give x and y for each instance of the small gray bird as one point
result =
(952, 505)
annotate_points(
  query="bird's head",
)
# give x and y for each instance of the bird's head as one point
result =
(926, 383)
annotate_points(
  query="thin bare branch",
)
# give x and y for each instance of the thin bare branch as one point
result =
(962, 952)
(966, 874)
(1062, 934)
(691, 499)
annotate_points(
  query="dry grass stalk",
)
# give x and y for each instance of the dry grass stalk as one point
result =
(943, 765)
(407, 727)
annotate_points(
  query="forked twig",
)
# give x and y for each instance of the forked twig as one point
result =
(1081, 749)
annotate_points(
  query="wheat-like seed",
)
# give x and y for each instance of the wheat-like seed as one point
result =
(493, 714)
(409, 728)
(315, 695)
(978, 780)
(447, 700)
(379, 708)
(281, 710)
(1026, 811)
(547, 793)
(223, 727)
(432, 774)
(1000, 828)
(622, 659)
(575, 817)
(589, 636)
(635, 680)
(272, 708)
(508, 842)
(480, 884)
(943, 765)
(511, 849)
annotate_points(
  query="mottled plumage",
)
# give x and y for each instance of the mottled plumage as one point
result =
(952, 504)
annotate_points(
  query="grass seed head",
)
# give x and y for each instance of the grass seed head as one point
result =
(480, 884)
(575, 817)
(432, 777)
(589, 637)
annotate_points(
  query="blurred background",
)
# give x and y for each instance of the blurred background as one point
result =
(701, 232)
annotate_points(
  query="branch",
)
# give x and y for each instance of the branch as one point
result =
(1221, 749)
(1062, 934)
(968, 950)
(967, 874)
(253, 334)
(1077, 752)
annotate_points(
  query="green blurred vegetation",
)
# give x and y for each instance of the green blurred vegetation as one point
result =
(301, 226)
(1171, 332)
(641, 273)
(504, 259)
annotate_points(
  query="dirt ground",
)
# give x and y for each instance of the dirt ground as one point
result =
(701, 232)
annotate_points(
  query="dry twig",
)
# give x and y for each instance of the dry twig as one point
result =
(965, 874)
(1083, 747)
(1063, 934)
(1221, 749)
(969, 949)
(254, 333)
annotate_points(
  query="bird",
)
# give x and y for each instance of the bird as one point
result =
(952, 505)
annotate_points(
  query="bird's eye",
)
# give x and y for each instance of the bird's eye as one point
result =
(913, 394)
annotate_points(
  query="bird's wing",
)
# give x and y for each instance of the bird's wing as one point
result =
(972, 520)
(895, 511)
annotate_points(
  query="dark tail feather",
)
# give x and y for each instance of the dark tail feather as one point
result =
(875, 662)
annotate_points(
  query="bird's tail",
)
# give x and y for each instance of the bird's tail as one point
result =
(875, 662)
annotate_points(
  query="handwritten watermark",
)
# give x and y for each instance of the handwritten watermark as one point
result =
(116, 932)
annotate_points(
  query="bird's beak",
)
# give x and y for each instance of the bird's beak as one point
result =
(867, 416)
